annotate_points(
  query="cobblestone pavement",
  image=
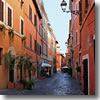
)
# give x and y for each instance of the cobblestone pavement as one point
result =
(58, 84)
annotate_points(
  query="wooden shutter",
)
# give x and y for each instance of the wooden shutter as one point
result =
(22, 27)
(1, 11)
(40, 50)
(30, 13)
(80, 12)
(35, 46)
(86, 6)
(30, 41)
(9, 17)
(35, 20)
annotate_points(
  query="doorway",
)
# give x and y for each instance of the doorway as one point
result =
(85, 76)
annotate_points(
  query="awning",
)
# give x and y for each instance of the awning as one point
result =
(65, 67)
(45, 65)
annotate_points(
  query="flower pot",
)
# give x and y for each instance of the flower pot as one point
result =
(1, 27)
(42, 77)
(11, 85)
(20, 85)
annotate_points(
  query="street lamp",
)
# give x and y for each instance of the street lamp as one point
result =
(63, 6)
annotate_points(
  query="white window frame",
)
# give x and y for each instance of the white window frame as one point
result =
(8, 6)
(21, 18)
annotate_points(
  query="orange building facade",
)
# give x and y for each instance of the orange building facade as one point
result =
(9, 16)
(24, 18)
(32, 19)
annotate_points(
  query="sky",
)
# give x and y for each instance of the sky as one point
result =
(59, 21)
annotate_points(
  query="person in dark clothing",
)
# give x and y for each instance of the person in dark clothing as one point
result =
(49, 72)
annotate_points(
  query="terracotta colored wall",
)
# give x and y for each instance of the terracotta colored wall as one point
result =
(6, 42)
(58, 56)
(31, 29)
(88, 31)
(76, 45)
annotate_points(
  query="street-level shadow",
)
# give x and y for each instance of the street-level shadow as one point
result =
(80, 97)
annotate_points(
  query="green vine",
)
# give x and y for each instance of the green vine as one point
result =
(11, 32)
(9, 60)
(78, 69)
(35, 68)
(23, 38)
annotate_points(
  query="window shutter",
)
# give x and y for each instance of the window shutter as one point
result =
(35, 46)
(22, 27)
(40, 50)
(30, 41)
(9, 17)
(1, 10)
(86, 5)
(80, 12)
(35, 20)
(30, 13)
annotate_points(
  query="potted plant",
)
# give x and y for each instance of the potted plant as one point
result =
(29, 84)
(23, 38)
(2, 27)
(11, 32)
(20, 85)
(11, 85)
(78, 69)
(42, 74)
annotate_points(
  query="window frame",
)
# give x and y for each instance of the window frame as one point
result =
(21, 19)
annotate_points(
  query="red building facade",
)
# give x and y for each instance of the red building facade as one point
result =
(87, 31)
(83, 31)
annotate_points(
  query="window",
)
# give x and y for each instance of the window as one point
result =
(40, 50)
(80, 12)
(21, 25)
(80, 59)
(35, 20)
(76, 38)
(2, 10)
(30, 41)
(35, 45)
(86, 5)
(30, 13)
(39, 29)
(9, 16)
(0, 56)
(76, 6)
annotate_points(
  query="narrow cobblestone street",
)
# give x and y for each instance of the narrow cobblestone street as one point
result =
(58, 84)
